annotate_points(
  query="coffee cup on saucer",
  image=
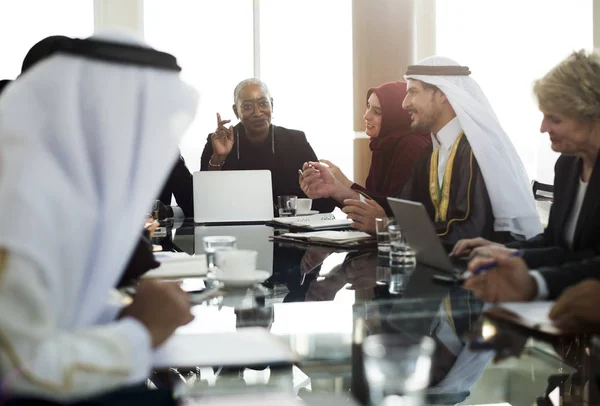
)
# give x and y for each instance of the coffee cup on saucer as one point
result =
(238, 268)
(303, 206)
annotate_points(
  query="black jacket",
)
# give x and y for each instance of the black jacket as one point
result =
(292, 150)
(550, 248)
(180, 185)
(559, 278)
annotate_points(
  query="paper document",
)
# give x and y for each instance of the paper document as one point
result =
(536, 313)
(317, 221)
(304, 219)
(178, 266)
(244, 347)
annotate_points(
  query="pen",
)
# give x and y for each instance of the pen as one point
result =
(493, 264)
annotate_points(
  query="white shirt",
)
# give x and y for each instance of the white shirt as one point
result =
(444, 139)
(574, 215)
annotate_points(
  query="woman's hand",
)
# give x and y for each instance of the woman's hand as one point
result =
(222, 141)
(363, 214)
(337, 173)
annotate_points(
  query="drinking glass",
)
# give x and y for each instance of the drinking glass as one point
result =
(287, 205)
(216, 243)
(383, 236)
(397, 366)
(400, 252)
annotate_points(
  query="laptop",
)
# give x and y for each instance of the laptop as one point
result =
(422, 237)
(236, 197)
(248, 237)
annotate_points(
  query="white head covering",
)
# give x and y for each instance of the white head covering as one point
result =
(503, 172)
(84, 148)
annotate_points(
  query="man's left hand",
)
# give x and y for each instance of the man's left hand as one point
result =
(363, 214)
(578, 305)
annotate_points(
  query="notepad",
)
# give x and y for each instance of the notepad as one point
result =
(534, 313)
(314, 222)
(252, 346)
(178, 266)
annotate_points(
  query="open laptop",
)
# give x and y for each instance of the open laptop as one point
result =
(235, 197)
(422, 237)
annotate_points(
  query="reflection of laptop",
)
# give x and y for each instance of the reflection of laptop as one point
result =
(248, 237)
(233, 197)
(422, 237)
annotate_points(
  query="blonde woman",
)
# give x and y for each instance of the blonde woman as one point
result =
(569, 98)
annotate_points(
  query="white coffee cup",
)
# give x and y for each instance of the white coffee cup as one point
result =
(235, 264)
(303, 206)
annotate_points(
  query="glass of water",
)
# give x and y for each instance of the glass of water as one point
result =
(400, 252)
(216, 243)
(397, 367)
(383, 235)
(287, 205)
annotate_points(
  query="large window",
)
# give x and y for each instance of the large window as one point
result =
(25, 22)
(508, 44)
(306, 60)
(213, 42)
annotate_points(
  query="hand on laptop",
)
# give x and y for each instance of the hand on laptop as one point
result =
(467, 245)
(363, 214)
(509, 281)
(222, 139)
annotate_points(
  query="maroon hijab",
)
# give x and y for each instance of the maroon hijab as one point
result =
(397, 147)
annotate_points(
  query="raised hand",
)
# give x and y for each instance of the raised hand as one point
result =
(222, 138)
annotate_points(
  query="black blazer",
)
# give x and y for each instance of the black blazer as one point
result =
(180, 185)
(550, 248)
(292, 150)
(559, 278)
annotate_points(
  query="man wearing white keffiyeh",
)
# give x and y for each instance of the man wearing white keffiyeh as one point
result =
(77, 135)
(468, 142)
(471, 181)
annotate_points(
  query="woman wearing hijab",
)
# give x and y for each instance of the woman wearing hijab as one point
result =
(256, 143)
(394, 145)
(71, 180)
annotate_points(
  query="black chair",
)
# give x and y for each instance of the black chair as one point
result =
(542, 191)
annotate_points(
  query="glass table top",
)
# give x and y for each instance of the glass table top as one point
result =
(324, 302)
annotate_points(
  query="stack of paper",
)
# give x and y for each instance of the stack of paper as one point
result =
(534, 313)
(245, 347)
(177, 265)
(314, 222)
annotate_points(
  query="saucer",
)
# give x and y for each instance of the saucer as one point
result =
(255, 277)
(309, 213)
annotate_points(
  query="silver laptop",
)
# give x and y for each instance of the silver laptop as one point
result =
(233, 197)
(422, 237)
(248, 237)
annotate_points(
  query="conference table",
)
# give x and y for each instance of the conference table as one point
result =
(323, 302)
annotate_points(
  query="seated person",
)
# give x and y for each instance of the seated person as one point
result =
(575, 284)
(255, 143)
(459, 191)
(179, 184)
(395, 147)
(59, 337)
(572, 120)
